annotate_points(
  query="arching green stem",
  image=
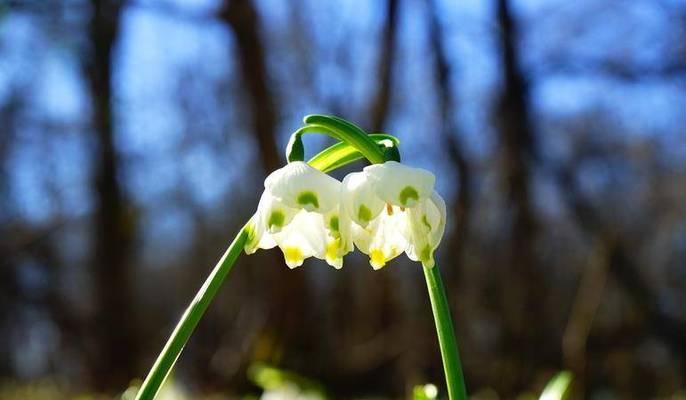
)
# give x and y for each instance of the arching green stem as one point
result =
(186, 325)
(355, 144)
(342, 153)
(347, 132)
(452, 367)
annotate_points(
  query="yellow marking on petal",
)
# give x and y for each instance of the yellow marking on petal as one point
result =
(332, 249)
(332, 254)
(377, 258)
(293, 255)
(394, 251)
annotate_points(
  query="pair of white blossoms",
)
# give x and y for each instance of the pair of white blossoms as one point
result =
(385, 210)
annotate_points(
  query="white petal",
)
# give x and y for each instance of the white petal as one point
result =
(427, 225)
(339, 237)
(437, 234)
(258, 237)
(399, 184)
(304, 237)
(359, 198)
(384, 238)
(273, 214)
(300, 186)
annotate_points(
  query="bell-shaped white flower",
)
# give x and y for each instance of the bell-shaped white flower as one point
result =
(299, 212)
(395, 210)
(300, 186)
(359, 198)
(426, 228)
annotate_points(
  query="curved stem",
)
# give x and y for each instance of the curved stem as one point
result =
(452, 367)
(349, 133)
(186, 325)
(342, 153)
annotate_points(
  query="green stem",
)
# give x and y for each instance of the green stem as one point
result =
(185, 327)
(446, 335)
(349, 133)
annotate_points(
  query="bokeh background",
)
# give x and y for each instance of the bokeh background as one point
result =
(135, 136)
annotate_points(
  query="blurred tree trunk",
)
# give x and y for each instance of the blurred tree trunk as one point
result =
(592, 287)
(379, 107)
(449, 136)
(8, 279)
(241, 16)
(114, 363)
(383, 309)
(624, 268)
(288, 290)
(522, 288)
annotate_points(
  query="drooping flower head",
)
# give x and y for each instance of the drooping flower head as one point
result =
(299, 212)
(385, 210)
(394, 209)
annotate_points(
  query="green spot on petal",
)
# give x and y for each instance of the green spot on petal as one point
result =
(333, 223)
(250, 230)
(364, 214)
(276, 219)
(308, 200)
(425, 221)
(252, 240)
(407, 194)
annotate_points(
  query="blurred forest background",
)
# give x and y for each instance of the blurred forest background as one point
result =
(135, 136)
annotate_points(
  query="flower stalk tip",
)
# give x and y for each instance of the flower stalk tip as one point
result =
(295, 150)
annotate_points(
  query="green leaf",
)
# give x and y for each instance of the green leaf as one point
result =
(557, 387)
(342, 153)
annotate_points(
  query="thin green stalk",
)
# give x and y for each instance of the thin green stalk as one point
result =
(446, 335)
(185, 327)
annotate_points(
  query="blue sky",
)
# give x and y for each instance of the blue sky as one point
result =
(175, 73)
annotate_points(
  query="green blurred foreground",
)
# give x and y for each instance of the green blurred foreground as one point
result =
(274, 384)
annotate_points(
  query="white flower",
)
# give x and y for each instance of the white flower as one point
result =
(395, 209)
(385, 210)
(427, 225)
(299, 211)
